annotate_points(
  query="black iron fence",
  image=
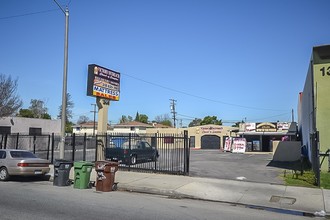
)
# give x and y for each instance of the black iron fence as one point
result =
(172, 149)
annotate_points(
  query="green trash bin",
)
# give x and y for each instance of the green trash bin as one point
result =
(82, 174)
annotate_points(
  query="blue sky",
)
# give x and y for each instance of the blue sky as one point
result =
(231, 59)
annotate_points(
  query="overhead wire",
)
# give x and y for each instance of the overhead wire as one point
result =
(200, 97)
(28, 14)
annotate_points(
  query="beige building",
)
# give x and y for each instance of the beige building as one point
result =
(201, 137)
(130, 127)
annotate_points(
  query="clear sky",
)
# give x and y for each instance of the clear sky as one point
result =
(232, 59)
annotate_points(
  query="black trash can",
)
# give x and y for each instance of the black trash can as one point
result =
(62, 172)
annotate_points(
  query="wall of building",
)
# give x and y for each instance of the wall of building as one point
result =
(22, 125)
(314, 106)
(198, 132)
(305, 113)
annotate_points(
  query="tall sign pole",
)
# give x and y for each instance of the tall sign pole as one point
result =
(102, 125)
(104, 84)
(65, 73)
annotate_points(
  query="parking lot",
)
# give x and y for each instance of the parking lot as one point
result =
(225, 165)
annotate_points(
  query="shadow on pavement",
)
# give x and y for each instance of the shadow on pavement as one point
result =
(298, 165)
(29, 178)
(294, 165)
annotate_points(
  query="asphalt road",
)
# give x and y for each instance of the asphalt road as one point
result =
(40, 200)
(233, 166)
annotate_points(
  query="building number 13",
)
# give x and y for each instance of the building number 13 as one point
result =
(325, 71)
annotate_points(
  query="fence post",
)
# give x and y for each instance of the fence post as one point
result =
(48, 147)
(85, 145)
(73, 143)
(186, 155)
(5, 144)
(156, 148)
(34, 143)
(129, 150)
(53, 143)
(17, 138)
(96, 146)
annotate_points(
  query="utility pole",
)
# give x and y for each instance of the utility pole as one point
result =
(65, 73)
(173, 103)
(94, 111)
(292, 115)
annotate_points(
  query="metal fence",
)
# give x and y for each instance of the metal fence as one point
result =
(173, 149)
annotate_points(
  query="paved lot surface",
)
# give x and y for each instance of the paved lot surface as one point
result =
(225, 165)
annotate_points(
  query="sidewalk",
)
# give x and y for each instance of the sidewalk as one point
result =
(297, 200)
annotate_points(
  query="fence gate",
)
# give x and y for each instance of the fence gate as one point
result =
(157, 153)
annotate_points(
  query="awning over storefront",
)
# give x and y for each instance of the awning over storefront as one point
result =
(268, 133)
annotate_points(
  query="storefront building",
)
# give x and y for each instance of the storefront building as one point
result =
(201, 137)
(260, 136)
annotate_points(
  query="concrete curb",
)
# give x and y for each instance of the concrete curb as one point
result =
(307, 201)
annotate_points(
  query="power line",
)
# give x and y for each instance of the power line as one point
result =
(260, 119)
(200, 97)
(28, 14)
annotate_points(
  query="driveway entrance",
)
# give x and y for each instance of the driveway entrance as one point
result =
(225, 165)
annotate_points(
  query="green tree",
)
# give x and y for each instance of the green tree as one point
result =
(195, 122)
(211, 120)
(68, 115)
(46, 116)
(237, 124)
(141, 118)
(10, 102)
(68, 127)
(38, 108)
(137, 116)
(82, 119)
(164, 120)
(26, 113)
(125, 119)
(69, 107)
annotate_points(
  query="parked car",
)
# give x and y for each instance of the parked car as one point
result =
(140, 151)
(21, 163)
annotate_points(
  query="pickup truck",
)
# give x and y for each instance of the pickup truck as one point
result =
(140, 151)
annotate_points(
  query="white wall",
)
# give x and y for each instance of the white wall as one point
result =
(22, 125)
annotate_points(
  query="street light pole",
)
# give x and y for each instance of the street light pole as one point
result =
(65, 73)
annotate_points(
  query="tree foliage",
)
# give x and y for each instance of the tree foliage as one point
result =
(69, 107)
(27, 113)
(237, 124)
(164, 120)
(10, 102)
(125, 119)
(38, 108)
(68, 115)
(195, 122)
(211, 120)
(82, 119)
(141, 118)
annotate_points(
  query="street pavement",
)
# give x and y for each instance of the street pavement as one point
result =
(273, 197)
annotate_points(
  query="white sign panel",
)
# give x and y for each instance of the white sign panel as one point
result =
(239, 145)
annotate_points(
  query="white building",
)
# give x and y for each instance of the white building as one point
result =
(31, 126)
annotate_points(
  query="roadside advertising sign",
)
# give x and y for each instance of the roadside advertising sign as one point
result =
(227, 147)
(239, 145)
(103, 82)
